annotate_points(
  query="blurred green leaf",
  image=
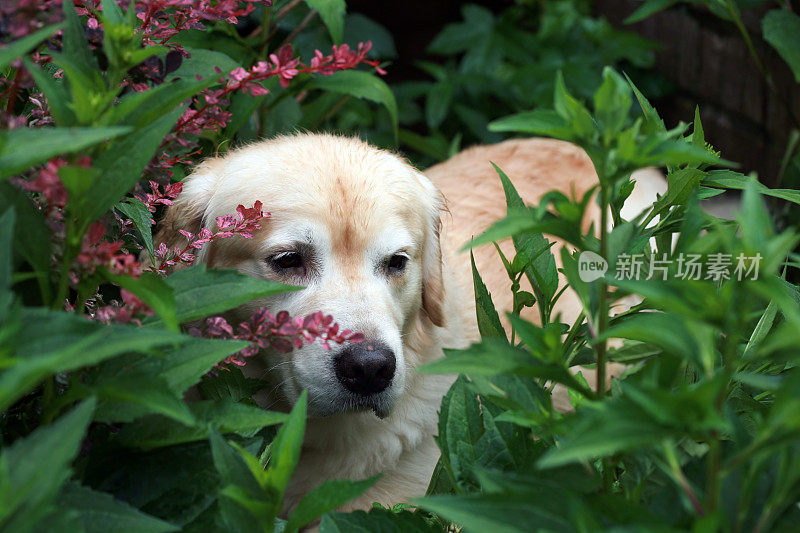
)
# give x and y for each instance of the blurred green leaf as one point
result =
(781, 29)
(33, 469)
(22, 46)
(16, 155)
(98, 510)
(361, 85)
(332, 13)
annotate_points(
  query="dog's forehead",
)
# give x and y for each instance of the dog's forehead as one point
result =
(357, 192)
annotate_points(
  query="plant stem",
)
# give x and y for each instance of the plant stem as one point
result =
(602, 318)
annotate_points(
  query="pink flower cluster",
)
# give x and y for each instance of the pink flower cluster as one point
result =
(48, 184)
(243, 223)
(96, 252)
(22, 17)
(123, 312)
(157, 197)
(163, 19)
(207, 113)
(280, 332)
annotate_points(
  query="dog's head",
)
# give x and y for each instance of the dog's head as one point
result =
(358, 228)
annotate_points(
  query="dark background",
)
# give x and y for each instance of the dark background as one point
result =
(704, 57)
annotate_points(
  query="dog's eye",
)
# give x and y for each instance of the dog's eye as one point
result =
(290, 263)
(396, 264)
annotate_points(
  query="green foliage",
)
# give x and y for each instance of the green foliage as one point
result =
(699, 432)
(697, 419)
(95, 432)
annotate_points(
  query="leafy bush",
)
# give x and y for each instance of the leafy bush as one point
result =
(700, 431)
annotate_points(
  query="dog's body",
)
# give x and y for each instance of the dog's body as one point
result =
(359, 228)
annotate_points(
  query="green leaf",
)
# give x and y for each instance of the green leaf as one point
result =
(382, 520)
(361, 85)
(728, 179)
(612, 102)
(229, 384)
(15, 145)
(141, 216)
(56, 94)
(572, 110)
(285, 449)
(543, 122)
(330, 495)
(183, 366)
(200, 293)
(648, 9)
(548, 510)
(141, 109)
(533, 249)
(133, 395)
(222, 416)
(781, 29)
(22, 46)
(488, 320)
(153, 290)
(7, 221)
(460, 427)
(31, 234)
(97, 510)
(71, 342)
(204, 63)
(650, 113)
(76, 47)
(121, 166)
(33, 469)
(332, 13)
(438, 103)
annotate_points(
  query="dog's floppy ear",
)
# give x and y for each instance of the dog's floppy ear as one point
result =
(189, 208)
(432, 282)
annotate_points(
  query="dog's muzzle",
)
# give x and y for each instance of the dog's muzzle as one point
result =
(365, 368)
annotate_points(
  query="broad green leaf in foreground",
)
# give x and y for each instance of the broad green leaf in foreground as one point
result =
(71, 342)
(17, 152)
(200, 292)
(221, 416)
(33, 469)
(97, 511)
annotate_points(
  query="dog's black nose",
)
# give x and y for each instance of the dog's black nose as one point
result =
(365, 368)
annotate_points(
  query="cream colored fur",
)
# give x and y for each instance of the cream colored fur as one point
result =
(354, 205)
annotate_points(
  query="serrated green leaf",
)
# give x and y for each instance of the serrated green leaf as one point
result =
(285, 449)
(141, 216)
(488, 320)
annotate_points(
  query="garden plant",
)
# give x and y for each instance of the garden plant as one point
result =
(107, 105)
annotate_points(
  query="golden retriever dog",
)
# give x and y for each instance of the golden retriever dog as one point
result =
(374, 243)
